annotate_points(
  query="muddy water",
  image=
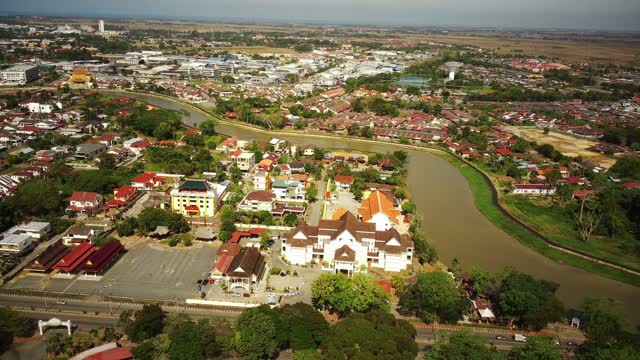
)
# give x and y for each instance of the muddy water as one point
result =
(456, 227)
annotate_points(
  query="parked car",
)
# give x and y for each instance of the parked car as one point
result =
(60, 302)
(500, 337)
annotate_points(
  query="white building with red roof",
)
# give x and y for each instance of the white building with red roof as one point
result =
(83, 202)
(147, 181)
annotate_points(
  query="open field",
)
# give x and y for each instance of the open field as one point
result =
(556, 224)
(568, 145)
(621, 52)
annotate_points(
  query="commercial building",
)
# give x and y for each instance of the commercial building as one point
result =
(101, 26)
(49, 257)
(198, 197)
(16, 243)
(347, 245)
(238, 266)
(102, 257)
(75, 258)
(35, 229)
(20, 74)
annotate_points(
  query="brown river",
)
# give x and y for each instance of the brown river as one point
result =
(452, 222)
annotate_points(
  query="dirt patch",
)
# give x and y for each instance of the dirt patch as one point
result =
(568, 145)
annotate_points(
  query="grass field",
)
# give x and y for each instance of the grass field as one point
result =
(556, 224)
(596, 50)
(568, 145)
(484, 203)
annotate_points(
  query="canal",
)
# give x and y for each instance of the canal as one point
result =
(452, 222)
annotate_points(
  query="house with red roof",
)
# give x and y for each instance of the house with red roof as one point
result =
(343, 181)
(147, 181)
(504, 152)
(83, 202)
(631, 185)
(122, 196)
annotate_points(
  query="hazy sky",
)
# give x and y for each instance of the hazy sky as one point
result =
(577, 14)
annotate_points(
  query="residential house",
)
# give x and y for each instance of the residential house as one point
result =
(344, 181)
(288, 190)
(246, 161)
(345, 245)
(89, 151)
(122, 196)
(78, 234)
(82, 202)
(533, 189)
(262, 181)
(147, 181)
(259, 200)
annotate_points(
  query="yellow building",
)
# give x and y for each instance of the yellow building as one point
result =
(80, 78)
(197, 197)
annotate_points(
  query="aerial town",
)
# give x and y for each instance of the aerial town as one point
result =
(194, 190)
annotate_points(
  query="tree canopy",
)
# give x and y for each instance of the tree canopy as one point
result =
(434, 297)
(374, 335)
(338, 293)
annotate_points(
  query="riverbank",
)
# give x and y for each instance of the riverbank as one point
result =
(482, 192)
(483, 198)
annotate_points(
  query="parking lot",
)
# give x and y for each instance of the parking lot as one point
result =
(149, 271)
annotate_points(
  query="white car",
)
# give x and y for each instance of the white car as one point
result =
(60, 302)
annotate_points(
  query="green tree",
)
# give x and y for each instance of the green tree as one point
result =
(185, 343)
(147, 323)
(627, 167)
(307, 328)
(235, 173)
(408, 207)
(338, 293)
(530, 302)
(603, 320)
(13, 323)
(208, 127)
(537, 347)
(462, 345)
(434, 297)
(374, 335)
(164, 131)
(127, 227)
(312, 193)
(481, 280)
(255, 334)
(150, 218)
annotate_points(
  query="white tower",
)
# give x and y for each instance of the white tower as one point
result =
(101, 26)
(452, 67)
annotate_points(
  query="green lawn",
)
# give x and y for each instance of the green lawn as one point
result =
(484, 203)
(556, 224)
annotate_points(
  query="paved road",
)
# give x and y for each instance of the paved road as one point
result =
(315, 213)
(92, 313)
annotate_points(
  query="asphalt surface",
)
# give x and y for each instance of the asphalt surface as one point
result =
(92, 313)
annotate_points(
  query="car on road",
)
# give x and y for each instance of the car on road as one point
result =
(60, 302)
(500, 337)
(519, 338)
(236, 295)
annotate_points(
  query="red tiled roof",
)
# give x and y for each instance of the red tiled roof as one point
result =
(144, 178)
(376, 203)
(84, 196)
(344, 179)
(631, 185)
(73, 259)
(123, 353)
(102, 256)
